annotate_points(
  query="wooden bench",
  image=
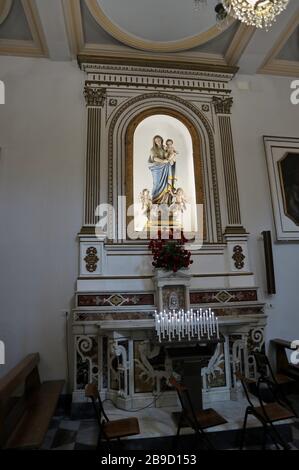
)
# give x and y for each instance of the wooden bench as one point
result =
(283, 366)
(25, 416)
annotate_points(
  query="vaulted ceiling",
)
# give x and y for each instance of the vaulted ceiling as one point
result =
(147, 29)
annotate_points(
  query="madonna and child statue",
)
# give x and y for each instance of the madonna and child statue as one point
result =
(165, 202)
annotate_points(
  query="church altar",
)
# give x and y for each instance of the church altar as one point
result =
(117, 292)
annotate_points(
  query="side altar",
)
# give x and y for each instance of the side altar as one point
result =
(160, 134)
(116, 344)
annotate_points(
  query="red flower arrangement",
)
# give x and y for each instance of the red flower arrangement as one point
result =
(170, 254)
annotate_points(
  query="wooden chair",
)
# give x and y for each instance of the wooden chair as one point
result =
(197, 420)
(266, 413)
(279, 381)
(283, 365)
(25, 417)
(110, 430)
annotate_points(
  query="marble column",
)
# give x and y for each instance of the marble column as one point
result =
(222, 108)
(95, 99)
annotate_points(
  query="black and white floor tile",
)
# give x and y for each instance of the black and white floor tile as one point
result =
(158, 431)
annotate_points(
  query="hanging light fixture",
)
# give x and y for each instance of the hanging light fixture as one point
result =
(222, 17)
(258, 13)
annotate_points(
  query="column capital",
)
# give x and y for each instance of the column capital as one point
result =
(95, 96)
(222, 105)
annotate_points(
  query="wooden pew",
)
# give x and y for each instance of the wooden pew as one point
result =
(25, 417)
(283, 365)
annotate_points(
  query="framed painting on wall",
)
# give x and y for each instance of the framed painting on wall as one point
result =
(283, 168)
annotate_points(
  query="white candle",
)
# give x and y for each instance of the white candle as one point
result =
(179, 329)
(188, 328)
(213, 322)
(217, 327)
(159, 330)
(207, 324)
(163, 325)
(211, 325)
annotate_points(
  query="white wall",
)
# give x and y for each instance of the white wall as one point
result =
(266, 110)
(42, 130)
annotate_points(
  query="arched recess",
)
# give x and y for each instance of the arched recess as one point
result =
(197, 161)
(118, 125)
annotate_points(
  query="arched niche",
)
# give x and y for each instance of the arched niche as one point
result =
(171, 124)
(122, 123)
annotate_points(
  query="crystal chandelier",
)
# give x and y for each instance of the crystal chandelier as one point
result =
(258, 13)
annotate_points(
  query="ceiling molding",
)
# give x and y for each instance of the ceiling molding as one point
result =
(287, 68)
(5, 7)
(74, 27)
(51, 15)
(158, 62)
(35, 48)
(274, 66)
(151, 46)
(239, 44)
(21, 48)
(35, 26)
(125, 53)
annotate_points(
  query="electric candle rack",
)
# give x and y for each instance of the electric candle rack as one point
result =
(200, 325)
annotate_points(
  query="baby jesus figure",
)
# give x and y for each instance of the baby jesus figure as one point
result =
(170, 151)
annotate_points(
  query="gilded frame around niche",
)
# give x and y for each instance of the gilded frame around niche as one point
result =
(283, 169)
(197, 159)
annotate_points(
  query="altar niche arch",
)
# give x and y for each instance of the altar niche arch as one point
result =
(121, 125)
(189, 166)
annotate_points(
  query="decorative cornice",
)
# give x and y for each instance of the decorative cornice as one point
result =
(87, 230)
(235, 230)
(95, 96)
(88, 61)
(222, 105)
(150, 76)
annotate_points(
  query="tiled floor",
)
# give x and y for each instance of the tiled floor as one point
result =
(158, 427)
